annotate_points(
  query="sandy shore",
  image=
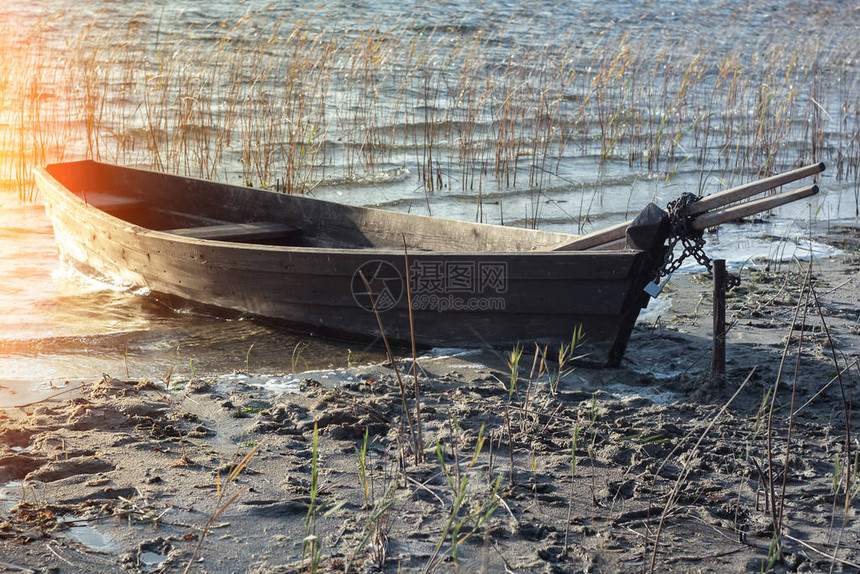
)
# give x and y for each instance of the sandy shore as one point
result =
(598, 470)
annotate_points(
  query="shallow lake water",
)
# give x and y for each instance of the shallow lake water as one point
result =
(58, 326)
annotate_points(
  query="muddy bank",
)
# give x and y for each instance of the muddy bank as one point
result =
(593, 470)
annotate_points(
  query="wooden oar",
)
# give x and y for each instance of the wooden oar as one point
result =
(593, 239)
(729, 214)
(735, 212)
(747, 190)
(707, 203)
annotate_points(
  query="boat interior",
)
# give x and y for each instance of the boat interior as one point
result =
(204, 210)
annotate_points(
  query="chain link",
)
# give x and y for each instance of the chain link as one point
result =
(693, 242)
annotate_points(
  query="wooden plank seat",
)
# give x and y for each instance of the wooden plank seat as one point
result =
(110, 202)
(240, 232)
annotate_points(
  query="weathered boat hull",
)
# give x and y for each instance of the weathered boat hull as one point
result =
(477, 286)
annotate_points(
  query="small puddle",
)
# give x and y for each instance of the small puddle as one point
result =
(273, 383)
(19, 392)
(292, 383)
(81, 531)
(151, 559)
(153, 553)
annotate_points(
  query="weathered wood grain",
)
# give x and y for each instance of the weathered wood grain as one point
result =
(171, 241)
(239, 232)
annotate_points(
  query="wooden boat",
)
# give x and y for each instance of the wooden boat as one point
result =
(328, 269)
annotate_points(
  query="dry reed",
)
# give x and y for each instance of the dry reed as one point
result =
(292, 104)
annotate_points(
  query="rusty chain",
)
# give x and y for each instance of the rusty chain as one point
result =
(693, 242)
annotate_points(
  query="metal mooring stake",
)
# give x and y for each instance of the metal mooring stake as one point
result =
(718, 357)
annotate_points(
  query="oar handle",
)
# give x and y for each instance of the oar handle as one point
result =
(752, 188)
(707, 203)
(720, 216)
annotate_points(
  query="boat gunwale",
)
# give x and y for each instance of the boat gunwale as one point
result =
(77, 201)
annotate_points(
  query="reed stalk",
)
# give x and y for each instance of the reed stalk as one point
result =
(294, 103)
